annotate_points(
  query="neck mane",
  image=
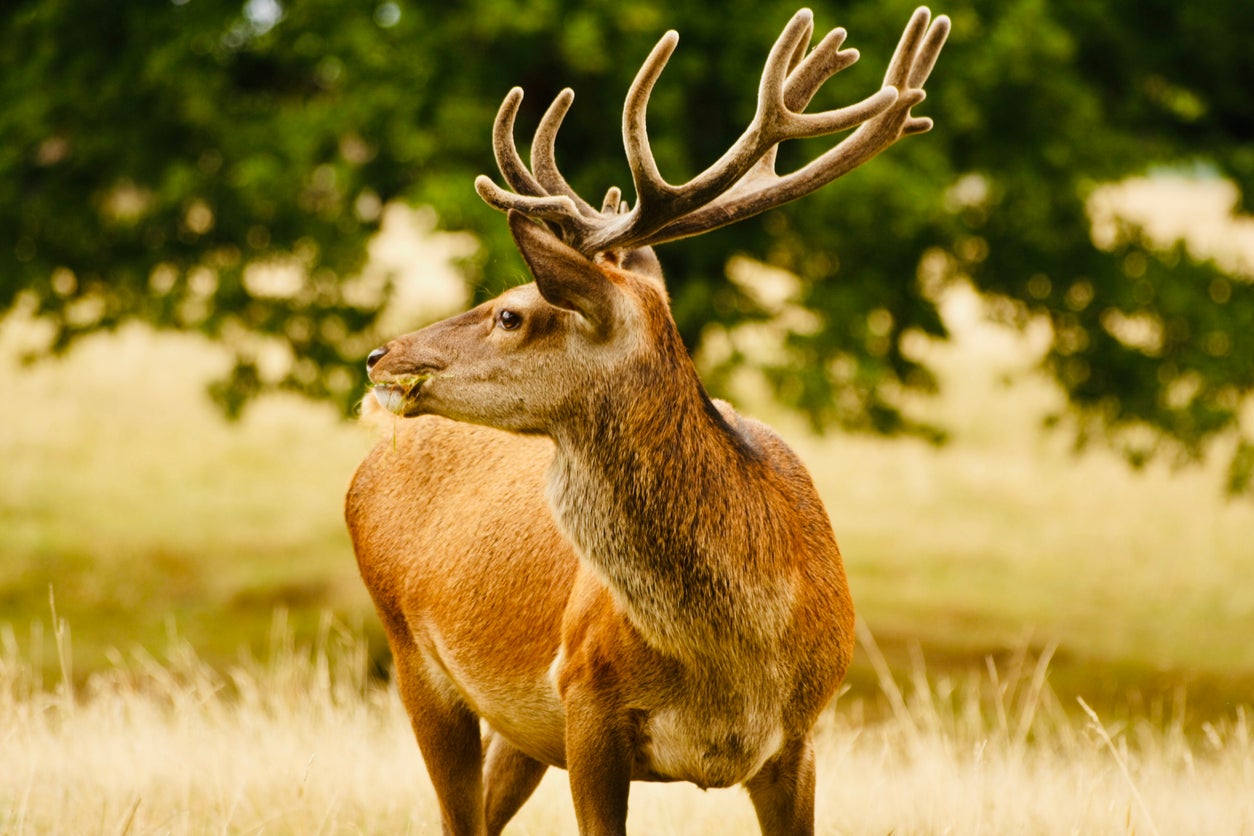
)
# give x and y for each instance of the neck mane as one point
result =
(675, 508)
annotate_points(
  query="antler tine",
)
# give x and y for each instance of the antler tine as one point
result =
(543, 159)
(561, 211)
(613, 199)
(644, 172)
(781, 61)
(803, 43)
(823, 62)
(925, 60)
(898, 72)
(807, 125)
(506, 152)
(929, 51)
(558, 209)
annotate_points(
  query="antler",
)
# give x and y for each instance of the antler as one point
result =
(742, 182)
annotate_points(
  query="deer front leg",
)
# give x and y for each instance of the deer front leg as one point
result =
(599, 753)
(783, 790)
(448, 737)
(510, 777)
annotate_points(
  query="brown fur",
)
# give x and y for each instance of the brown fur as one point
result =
(653, 594)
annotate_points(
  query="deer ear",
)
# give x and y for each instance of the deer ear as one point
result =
(566, 278)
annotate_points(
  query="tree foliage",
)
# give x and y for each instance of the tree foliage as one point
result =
(155, 153)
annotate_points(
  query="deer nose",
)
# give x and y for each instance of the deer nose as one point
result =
(375, 357)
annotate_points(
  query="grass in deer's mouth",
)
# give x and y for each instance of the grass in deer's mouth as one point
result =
(407, 383)
(395, 393)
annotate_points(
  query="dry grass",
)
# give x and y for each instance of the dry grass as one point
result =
(304, 742)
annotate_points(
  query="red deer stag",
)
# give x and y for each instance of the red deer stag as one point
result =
(634, 582)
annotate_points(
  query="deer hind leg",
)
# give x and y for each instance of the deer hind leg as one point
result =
(783, 790)
(510, 777)
(448, 737)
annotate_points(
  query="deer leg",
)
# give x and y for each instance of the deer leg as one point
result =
(599, 752)
(448, 737)
(783, 790)
(510, 777)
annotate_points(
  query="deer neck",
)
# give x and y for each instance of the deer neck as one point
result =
(657, 492)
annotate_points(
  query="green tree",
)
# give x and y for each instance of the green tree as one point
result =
(153, 151)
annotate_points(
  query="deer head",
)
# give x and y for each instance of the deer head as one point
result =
(518, 361)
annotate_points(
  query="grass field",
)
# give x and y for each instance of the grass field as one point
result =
(169, 539)
(305, 742)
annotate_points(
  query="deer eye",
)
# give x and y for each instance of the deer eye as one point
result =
(509, 320)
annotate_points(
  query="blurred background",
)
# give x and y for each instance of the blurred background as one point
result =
(1016, 352)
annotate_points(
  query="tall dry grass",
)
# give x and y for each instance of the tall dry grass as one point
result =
(302, 741)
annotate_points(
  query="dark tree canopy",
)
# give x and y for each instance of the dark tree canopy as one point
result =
(153, 151)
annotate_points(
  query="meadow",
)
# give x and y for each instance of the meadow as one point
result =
(303, 741)
(1051, 641)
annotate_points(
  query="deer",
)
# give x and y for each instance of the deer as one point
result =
(580, 559)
